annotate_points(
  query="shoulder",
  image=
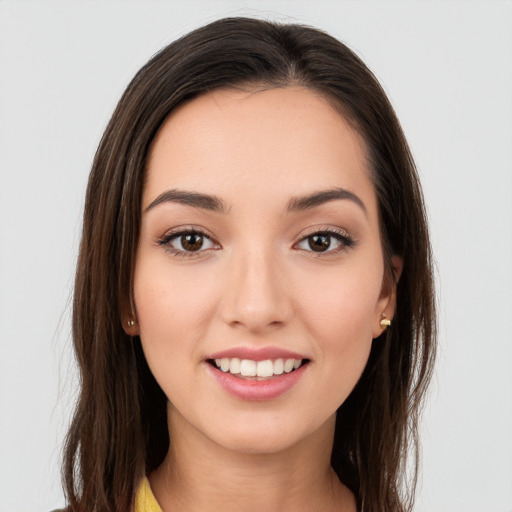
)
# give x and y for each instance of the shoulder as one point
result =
(145, 500)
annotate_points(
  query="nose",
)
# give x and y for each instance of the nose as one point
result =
(256, 296)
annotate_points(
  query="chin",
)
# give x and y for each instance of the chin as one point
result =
(258, 444)
(268, 437)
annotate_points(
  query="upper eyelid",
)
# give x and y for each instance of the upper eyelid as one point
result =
(187, 229)
(324, 229)
(307, 232)
(342, 236)
(335, 232)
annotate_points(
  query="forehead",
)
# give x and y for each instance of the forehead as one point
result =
(267, 143)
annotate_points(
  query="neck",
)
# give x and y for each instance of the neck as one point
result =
(200, 475)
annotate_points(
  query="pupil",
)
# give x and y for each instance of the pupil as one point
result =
(192, 242)
(319, 243)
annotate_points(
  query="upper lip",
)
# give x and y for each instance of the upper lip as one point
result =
(257, 354)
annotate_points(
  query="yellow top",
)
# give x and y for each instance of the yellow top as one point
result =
(145, 501)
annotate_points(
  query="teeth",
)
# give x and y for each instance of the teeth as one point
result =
(288, 365)
(234, 366)
(265, 368)
(278, 367)
(249, 368)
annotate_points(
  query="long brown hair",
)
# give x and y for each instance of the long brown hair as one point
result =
(119, 430)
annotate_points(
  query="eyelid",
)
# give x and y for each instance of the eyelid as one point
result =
(324, 229)
(341, 235)
(164, 241)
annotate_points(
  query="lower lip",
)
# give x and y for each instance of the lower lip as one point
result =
(257, 390)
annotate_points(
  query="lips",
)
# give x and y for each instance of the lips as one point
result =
(257, 374)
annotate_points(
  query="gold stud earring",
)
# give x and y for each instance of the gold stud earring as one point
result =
(385, 322)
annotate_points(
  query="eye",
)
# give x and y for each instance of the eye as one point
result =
(187, 242)
(328, 241)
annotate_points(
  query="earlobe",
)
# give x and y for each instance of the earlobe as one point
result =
(382, 323)
(130, 325)
(128, 316)
(386, 305)
(385, 322)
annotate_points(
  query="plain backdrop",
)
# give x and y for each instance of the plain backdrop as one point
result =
(447, 66)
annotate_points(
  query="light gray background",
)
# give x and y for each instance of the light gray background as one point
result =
(447, 66)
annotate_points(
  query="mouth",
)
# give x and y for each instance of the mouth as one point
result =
(248, 369)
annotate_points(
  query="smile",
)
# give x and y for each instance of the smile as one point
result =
(257, 374)
(248, 368)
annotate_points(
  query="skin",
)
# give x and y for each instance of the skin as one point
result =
(256, 282)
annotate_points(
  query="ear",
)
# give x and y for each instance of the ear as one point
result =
(386, 304)
(130, 325)
(129, 319)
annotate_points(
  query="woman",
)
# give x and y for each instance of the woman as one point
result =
(254, 308)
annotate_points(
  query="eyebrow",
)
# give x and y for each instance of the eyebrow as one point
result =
(324, 196)
(216, 204)
(194, 199)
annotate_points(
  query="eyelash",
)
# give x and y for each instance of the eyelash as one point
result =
(166, 240)
(345, 240)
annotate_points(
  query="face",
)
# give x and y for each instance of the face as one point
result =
(258, 283)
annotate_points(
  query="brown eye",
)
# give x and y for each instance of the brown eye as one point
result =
(187, 242)
(192, 241)
(328, 242)
(319, 242)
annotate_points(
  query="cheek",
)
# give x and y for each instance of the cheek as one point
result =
(174, 311)
(162, 317)
(340, 315)
(342, 305)
(168, 300)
